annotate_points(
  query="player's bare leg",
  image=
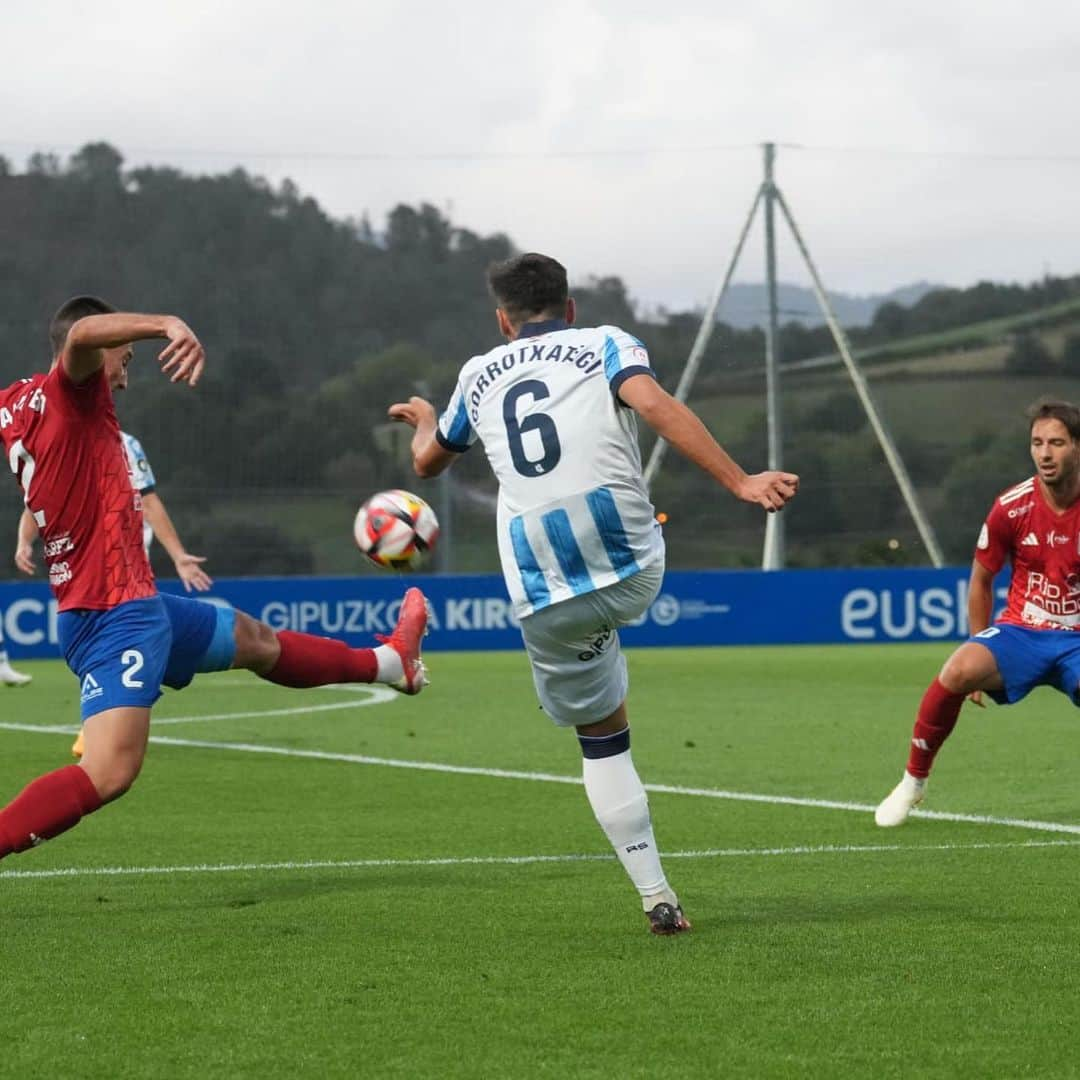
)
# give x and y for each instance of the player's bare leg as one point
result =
(115, 746)
(78, 747)
(621, 806)
(970, 670)
(305, 660)
(57, 801)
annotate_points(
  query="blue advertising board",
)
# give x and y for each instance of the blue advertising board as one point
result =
(712, 607)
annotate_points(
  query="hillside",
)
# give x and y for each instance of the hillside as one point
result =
(313, 326)
(954, 403)
(745, 304)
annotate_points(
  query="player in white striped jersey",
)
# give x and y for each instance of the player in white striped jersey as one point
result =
(581, 551)
(156, 521)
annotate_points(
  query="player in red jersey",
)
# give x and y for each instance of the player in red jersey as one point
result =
(156, 520)
(119, 636)
(1036, 640)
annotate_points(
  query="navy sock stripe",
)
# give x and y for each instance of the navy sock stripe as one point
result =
(602, 746)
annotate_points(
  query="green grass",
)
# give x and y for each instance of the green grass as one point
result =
(949, 954)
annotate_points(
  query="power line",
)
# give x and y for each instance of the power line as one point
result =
(375, 156)
(958, 155)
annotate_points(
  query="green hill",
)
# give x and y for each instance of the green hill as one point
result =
(313, 326)
(954, 402)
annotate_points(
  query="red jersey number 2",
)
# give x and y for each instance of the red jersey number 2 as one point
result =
(22, 465)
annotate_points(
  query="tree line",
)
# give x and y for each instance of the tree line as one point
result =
(313, 325)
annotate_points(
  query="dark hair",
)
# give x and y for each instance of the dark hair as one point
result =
(69, 313)
(529, 285)
(1050, 409)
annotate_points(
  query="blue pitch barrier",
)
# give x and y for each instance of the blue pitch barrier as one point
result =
(716, 607)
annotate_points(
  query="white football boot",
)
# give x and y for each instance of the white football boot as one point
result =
(10, 677)
(899, 803)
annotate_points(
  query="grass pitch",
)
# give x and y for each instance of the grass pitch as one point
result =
(281, 896)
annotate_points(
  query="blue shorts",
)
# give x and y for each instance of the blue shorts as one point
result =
(123, 656)
(1028, 658)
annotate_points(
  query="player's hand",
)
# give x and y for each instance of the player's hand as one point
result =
(183, 358)
(976, 698)
(416, 412)
(24, 558)
(772, 490)
(191, 573)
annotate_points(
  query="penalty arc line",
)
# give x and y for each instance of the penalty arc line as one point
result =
(376, 695)
(373, 695)
(508, 860)
(555, 778)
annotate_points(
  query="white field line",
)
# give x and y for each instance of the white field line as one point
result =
(511, 860)
(375, 695)
(550, 778)
(554, 778)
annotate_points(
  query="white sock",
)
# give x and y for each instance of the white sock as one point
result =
(3, 657)
(389, 669)
(917, 783)
(618, 800)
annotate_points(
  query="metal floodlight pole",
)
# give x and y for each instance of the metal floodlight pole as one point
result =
(862, 388)
(772, 556)
(697, 352)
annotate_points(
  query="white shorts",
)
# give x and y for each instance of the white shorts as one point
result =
(573, 646)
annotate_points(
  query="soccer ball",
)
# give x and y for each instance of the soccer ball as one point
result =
(396, 529)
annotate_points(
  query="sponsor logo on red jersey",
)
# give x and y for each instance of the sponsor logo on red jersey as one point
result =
(1043, 545)
(63, 444)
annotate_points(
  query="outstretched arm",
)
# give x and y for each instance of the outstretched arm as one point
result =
(183, 358)
(980, 598)
(429, 458)
(980, 609)
(672, 420)
(188, 568)
(24, 547)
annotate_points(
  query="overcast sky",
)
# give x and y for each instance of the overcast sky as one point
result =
(930, 140)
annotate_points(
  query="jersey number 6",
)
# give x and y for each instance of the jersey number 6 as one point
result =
(541, 423)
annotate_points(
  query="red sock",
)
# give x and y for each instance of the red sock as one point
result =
(307, 660)
(45, 808)
(938, 713)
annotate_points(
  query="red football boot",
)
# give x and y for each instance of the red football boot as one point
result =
(406, 640)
